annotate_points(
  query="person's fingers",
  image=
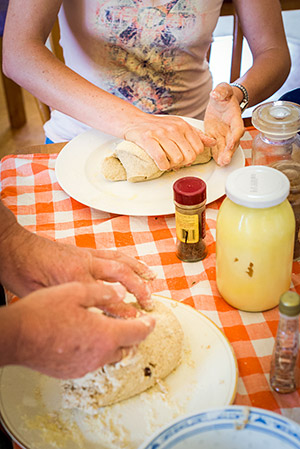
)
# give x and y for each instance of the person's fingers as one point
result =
(179, 151)
(156, 152)
(116, 308)
(93, 294)
(108, 298)
(225, 156)
(170, 141)
(206, 140)
(128, 334)
(172, 151)
(232, 142)
(222, 92)
(191, 142)
(138, 266)
(99, 295)
(132, 331)
(114, 271)
(123, 353)
(218, 148)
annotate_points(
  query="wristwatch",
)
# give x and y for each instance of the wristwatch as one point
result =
(245, 100)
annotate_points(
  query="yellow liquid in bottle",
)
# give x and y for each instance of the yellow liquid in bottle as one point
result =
(254, 254)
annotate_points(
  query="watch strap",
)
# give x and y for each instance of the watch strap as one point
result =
(245, 101)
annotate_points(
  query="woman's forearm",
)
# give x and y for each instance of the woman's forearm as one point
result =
(262, 80)
(55, 84)
(262, 26)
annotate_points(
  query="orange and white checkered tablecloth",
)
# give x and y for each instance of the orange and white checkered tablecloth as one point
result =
(31, 191)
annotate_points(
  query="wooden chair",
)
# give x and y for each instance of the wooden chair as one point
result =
(12, 91)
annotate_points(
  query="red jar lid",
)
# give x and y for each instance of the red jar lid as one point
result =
(189, 190)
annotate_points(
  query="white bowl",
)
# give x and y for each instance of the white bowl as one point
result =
(232, 427)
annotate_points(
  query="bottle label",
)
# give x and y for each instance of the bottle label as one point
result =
(187, 227)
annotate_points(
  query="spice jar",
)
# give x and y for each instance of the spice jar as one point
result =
(278, 146)
(190, 200)
(255, 239)
(283, 374)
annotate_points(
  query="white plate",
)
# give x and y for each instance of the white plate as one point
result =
(207, 377)
(78, 171)
(229, 428)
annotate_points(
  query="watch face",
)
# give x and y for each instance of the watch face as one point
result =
(243, 105)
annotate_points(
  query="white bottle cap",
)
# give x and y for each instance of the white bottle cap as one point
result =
(257, 186)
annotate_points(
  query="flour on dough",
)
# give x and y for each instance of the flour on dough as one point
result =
(156, 357)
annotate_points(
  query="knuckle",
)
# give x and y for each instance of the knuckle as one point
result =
(148, 134)
(178, 158)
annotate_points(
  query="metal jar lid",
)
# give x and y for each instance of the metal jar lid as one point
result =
(189, 190)
(279, 119)
(257, 186)
(289, 304)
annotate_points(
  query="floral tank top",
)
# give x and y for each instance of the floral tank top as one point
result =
(151, 53)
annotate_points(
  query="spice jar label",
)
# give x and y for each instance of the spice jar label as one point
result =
(187, 228)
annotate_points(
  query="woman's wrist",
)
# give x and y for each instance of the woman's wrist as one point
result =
(241, 93)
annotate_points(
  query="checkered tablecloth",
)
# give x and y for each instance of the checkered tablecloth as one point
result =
(31, 191)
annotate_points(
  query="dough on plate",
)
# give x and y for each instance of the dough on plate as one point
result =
(130, 162)
(156, 357)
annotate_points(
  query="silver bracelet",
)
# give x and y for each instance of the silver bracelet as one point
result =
(245, 101)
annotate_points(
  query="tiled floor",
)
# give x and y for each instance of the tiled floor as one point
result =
(32, 133)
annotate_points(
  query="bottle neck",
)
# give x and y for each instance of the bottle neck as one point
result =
(284, 140)
(190, 207)
(288, 323)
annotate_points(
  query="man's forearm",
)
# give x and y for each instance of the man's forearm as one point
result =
(7, 220)
(9, 325)
(12, 236)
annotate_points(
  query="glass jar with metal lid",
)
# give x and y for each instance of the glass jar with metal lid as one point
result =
(255, 239)
(284, 369)
(278, 146)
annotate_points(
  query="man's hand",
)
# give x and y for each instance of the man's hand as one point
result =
(31, 262)
(56, 332)
(223, 121)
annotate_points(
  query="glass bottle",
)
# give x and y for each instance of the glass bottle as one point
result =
(190, 200)
(278, 146)
(254, 239)
(283, 374)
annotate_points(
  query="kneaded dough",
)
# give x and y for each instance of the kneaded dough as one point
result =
(156, 357)
(130, 162)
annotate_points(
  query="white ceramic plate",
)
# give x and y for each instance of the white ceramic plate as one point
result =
(78, 171)
(207, 377)
(229, 428)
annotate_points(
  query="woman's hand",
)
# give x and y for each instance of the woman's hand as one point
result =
(223, 121)
(169, 140)
(56, 332)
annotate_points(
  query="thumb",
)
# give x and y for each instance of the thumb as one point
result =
(222, 92)
(105, 296)
(132, 331)
(207, 140)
